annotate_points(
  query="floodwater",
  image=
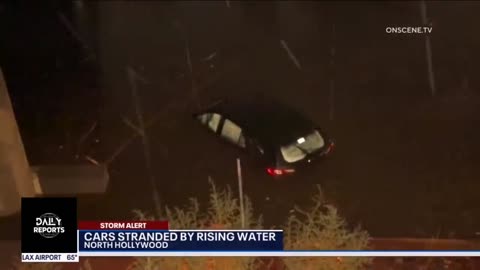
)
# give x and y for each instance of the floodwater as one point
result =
(406, 162)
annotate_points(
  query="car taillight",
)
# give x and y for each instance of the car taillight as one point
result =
(330, 148)
(276, 172)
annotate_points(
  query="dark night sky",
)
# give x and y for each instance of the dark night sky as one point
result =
(407, 163)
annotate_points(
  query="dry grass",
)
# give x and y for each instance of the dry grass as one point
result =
(319, 228)
(321, 222)
(223, 212)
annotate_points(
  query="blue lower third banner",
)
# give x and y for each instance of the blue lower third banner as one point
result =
(179, 240)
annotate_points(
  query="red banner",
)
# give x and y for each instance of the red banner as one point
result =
(123, 225)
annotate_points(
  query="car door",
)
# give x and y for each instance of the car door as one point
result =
(257, 153)
(213, 151)
(251, 150)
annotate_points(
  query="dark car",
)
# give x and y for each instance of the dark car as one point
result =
(279, 138)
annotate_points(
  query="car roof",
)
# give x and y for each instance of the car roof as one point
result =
(264, 118)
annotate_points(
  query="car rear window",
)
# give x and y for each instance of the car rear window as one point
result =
(303, 146)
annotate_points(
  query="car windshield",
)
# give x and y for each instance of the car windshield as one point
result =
(303, 146)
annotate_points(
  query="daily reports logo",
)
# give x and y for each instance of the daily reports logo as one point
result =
(48, 225)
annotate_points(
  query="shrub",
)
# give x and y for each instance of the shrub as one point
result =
(223, 212)
(321, 222)
(321, 228)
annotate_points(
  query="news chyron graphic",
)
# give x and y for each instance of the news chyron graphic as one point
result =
(154, 238)
(49, 230)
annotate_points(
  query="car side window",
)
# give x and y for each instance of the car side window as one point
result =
(211, 120)
(233, 133)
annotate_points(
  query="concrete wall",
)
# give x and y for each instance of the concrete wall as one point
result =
(15, 176)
